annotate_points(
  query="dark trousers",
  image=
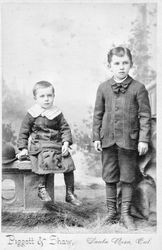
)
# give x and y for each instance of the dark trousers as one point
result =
(69, 178)
(118, 164)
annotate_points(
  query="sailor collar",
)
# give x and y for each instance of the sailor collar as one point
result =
(49, 113)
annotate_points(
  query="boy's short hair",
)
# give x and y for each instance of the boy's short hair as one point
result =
(119, 51)
(41, 85)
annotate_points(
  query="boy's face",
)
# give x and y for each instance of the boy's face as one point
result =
(120, 66)
(44, 97)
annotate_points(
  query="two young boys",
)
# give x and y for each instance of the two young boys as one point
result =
(121, 131)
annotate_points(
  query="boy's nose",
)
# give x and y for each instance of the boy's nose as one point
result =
(121, 66)
(46, 98)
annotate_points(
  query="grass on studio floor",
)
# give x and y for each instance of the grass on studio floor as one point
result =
(65, 218)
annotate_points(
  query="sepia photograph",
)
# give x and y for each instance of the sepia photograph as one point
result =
(79, 124)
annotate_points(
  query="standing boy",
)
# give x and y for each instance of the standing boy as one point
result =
(50, 138)
(121, 130)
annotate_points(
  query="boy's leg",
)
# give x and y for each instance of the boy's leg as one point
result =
(126, 218)
(111, 194)
(42, 192)
(110, 174)
(128, 164)
(69, 182)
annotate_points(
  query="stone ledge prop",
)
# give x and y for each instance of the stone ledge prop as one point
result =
(20, 187)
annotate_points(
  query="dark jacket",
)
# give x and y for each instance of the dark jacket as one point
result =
(46, 139)
(122, 118)
(56, 130)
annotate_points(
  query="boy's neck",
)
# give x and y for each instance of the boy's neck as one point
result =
(43, 107)
(119, 81)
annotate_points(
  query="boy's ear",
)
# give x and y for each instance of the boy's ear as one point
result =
(34, 97)
(109, 65)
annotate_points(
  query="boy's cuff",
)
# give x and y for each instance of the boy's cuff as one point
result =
(66, 142)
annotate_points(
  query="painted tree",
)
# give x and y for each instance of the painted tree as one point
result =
(140, 42)
(13, 106)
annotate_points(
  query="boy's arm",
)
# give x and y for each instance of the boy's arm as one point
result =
(98, 114)
(144, 115)
(65, 130)
(25, 131)
(97, 146)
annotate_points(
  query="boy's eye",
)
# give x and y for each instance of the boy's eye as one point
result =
(49, 95)
(126, 62)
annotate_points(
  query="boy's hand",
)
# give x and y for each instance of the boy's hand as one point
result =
(97, 146)
(22, 153)
(65, 148)
(142, 148)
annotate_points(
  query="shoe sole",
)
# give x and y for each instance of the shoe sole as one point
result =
(44, 200)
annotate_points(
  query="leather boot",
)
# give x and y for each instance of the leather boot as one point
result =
(70, 196)
(111, 192)
(111, 217)
(126, 219)
(42, 191)
(43, 194)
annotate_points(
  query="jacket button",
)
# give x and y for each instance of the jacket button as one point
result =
(116, 108)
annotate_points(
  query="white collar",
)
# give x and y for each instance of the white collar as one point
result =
(50, 113)
(119, 81)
